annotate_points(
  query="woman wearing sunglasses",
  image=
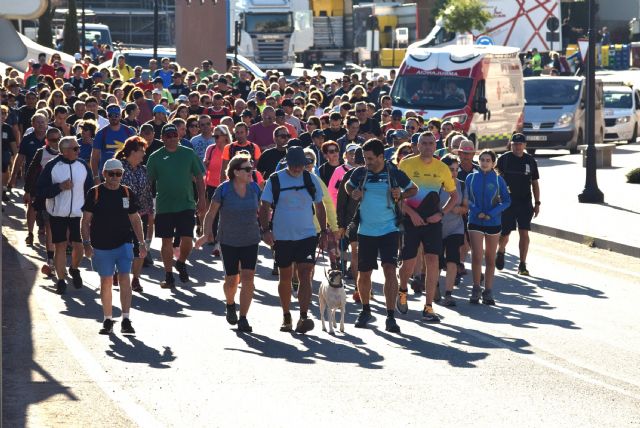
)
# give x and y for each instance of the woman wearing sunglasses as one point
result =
(236, 201)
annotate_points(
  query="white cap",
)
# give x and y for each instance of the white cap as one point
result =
(77, 55)
(112, 164)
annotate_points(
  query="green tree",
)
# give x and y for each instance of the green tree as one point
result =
(437, 10)
(463, 16)
(45, 29)
(71, 42)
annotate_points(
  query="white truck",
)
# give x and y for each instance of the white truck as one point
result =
(521, 24)
(271, 31)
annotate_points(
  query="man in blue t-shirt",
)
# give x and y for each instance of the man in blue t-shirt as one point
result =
(293, 237)
(379, 186)
(165, 73)
(108, 140)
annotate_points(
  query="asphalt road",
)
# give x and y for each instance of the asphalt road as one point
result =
(560, 347)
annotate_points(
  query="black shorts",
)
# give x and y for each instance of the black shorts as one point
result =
(65, 228)
(6, 161)
(430, 236)
(485, 230)
(517, 216)
(245, 257)
(301, 251)
(451, 249)
(180, 223)
(370, 246)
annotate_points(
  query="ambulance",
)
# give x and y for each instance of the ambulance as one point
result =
(479, 86)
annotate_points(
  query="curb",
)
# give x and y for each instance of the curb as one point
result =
(590, 241)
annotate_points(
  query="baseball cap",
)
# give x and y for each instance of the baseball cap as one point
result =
(223, 80)
(295, 156)
(183, 98)
(396, 113)
(246, 113)
(77, 55)
(400, 134)
(280, 112)
(317, 133)
(160, 109)
(158, 80)
(261, 95)
(466, 146)
(169, 128)
(144, 75)
(112, 164)
(351, 147)
(294, 142)
(157, 91)
(68, 86)
(97, 75)
(276, 94)
(287, 103)
(518, 138)
(388, 136)
(113, 109)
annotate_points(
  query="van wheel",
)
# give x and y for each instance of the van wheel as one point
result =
(579, 141)
(634, 137)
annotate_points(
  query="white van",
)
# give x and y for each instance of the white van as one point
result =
(621, 113)
(481, 87)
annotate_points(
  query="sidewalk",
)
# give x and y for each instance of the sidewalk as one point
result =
(614, 225)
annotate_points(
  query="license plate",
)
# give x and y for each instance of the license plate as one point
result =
(536, 138)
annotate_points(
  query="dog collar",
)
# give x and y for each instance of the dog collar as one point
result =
(335, 286)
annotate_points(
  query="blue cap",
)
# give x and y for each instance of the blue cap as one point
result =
(160, 109)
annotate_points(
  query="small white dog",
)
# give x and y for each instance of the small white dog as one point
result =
(332, 296)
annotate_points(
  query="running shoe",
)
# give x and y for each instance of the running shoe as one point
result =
(181, 267)
(428, 315)
(169, 282)
(356, 296)
(5, 197)
(458, 279)
(243, 326)
(61, 286)
(232, 316)
(287, 325)
(216, 250)
(29, 240)
(135, 285)
(500, 260)
(476, 291)
(126, 327)
(487, 297)
(391, 325)
(304, 325)
(449, 301)
(522, 270)
(401, 301)
(76, 279)
(363, 319)
(107, 327)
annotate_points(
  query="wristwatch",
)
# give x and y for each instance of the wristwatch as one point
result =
(86, 242)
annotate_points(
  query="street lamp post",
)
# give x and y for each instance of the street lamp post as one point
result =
(155, 29)
(591, 194)
(83, 49)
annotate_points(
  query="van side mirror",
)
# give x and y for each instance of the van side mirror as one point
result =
(480, 105)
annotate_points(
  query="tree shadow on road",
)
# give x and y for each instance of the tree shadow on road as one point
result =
(432, 351)
(137, 352)
(317, 349)
(479, 339)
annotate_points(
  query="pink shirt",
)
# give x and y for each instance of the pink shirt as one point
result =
(336, 180)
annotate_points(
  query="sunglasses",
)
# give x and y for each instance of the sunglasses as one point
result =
(411, 127)
(114, 174)
(361, 111)
(246, 169)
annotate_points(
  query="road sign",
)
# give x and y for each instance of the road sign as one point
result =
(484, 40)
(553, 36)
(553, 24)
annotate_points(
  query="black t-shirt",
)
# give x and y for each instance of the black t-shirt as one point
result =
(370, 126)
(519, 173)
(330, 134)
(7, 139)
(462, 174)
(326, 171)
(110, 225)
(157, 129)
(25, 114)
(155, 145)
(197, 110)
(244, 88)
(268, 161)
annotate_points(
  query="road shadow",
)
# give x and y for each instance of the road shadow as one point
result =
(433, 351)
(479, 339)
(18, 366)
(135, 351)
(318, 348)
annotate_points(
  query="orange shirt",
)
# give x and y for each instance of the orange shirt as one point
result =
(226, 153)
(213, 163)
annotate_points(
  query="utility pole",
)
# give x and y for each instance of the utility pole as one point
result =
(591, 194)
(83, 47)
(155, 29)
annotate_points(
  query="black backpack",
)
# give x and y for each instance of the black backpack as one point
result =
(235, 148)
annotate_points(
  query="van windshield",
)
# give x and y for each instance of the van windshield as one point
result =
(431, 92)
(618, 100)
(545, 92)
